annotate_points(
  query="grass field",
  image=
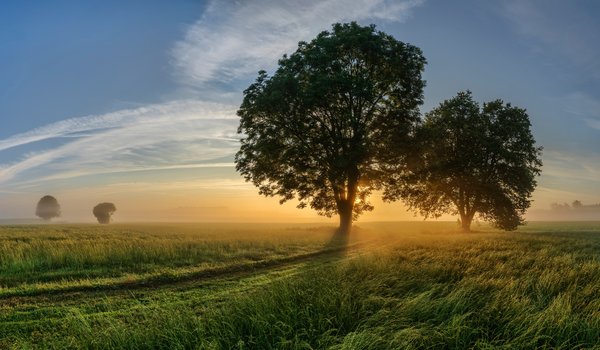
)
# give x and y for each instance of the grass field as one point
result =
(226, 286)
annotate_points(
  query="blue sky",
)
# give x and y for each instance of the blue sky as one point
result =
(134, 101)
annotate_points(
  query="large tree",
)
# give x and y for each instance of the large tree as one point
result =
(47, 208)
(471, 161)
(318, 130)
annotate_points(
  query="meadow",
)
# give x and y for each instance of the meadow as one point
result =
(410, 285)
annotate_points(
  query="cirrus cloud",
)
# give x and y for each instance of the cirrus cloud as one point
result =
(230, 42)
(234, 40)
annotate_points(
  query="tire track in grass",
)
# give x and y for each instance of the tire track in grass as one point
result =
(207, 289)
(124, 303)
(157, 281)
(196, 293)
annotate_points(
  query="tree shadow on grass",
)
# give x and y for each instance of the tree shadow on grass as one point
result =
(339, 239)
(339, 244)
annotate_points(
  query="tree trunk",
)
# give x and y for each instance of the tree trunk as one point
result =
(345, 210)
(465, 222)
(345, 203)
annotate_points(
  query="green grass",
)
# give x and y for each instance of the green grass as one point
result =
(40, 255)
(394, 286)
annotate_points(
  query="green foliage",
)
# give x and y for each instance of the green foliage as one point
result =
(317, 129)
(471, 160)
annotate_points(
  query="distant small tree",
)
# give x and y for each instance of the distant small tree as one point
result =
(577, 204)
(319, 129)
(471, 160)
(103, 212)
(47, 208)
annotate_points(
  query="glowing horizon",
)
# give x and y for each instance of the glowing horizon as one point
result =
(149, 123)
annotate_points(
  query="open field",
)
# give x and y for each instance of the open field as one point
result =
(224, 286)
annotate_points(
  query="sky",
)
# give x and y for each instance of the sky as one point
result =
(134, 102)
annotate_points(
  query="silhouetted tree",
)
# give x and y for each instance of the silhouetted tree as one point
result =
(103, 212)
(47, 208)
(472, 161)
(577, 204)
(317, 129)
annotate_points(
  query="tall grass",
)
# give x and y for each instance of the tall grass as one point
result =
(506, 291)
(528, 290)
(48, 253)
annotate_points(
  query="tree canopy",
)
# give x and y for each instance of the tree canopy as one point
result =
(47, 208)
(103, 212)
(471, 160)
(319, 130)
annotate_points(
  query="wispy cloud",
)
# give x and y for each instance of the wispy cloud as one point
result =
(584, 107)
(568, 176)
(572, 167)
(151, 114)
(234, 39)
(229, 43)
(177, 134)
(559, 27)
(178, 186)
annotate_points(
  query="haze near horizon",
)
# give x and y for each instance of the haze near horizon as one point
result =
(135, 103)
